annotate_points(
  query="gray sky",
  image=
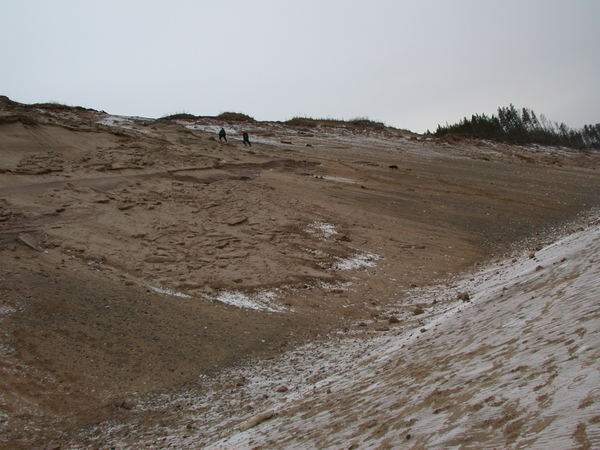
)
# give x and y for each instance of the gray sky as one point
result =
(411, 64)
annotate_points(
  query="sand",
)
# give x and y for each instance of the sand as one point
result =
(141, 256)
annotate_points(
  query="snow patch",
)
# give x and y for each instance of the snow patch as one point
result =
(169, 292)
(325, 230)
(358, 261)
(259, 301)
(208, 128)
(121, 122)
(112, 121)
(344, 286)
(338, 179)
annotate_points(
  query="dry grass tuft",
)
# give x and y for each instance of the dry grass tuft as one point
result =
(234, 117)
(360, 123)
(55, 106)
(178, 116)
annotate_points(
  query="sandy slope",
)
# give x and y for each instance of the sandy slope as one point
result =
(515, 366)
(138, 255)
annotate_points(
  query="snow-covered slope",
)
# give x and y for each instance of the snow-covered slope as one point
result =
(518, 365)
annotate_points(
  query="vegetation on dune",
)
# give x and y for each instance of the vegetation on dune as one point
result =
(359, 122)
(5, 101)
(509, 124)
(303, 122)
(523, 126)
(178, 116)
(55, 106)
(234, 117)
(365, 122)
(225, 117)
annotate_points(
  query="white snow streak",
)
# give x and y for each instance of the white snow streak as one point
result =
(357, 261)
(322, 229)
(169, 292)
(260, 301)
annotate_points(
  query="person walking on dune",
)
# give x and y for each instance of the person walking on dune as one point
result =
(222, 135)
(246, 140)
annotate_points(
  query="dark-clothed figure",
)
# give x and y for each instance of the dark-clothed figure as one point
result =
(246, 140)
(222, 135)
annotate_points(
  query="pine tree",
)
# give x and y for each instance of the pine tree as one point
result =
(523, 126)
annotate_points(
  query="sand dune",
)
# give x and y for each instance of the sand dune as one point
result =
(141, 260)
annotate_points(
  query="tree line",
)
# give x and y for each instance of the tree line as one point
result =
(523, 126)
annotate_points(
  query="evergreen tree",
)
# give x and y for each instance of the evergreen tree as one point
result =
(523, 127)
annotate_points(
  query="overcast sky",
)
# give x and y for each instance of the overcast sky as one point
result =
(411, 64)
